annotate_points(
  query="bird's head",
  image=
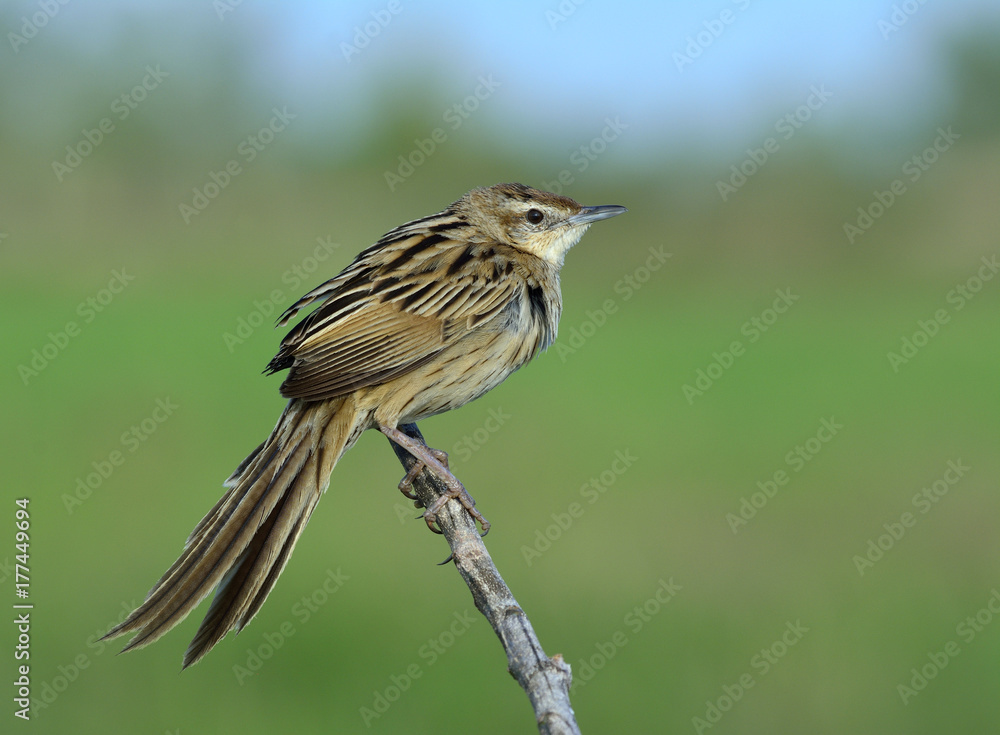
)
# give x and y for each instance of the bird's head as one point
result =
(537, 222)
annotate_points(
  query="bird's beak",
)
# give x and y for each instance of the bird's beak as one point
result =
(586, 215)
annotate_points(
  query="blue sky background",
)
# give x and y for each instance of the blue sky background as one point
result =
(619, 58)
(561, 77)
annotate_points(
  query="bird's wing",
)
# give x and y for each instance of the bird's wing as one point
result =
(391, 312)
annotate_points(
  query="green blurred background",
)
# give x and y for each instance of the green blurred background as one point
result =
(886, 82)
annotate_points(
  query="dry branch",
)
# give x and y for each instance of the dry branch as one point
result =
(545, 680)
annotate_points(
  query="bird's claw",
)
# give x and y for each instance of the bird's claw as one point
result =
(406, 484)
(467, 501)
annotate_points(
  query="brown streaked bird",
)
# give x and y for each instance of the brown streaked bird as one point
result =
(432, 316)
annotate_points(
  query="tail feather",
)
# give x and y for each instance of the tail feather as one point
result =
(248, 582)
(242, 544)
(203, 564)
(232, 481)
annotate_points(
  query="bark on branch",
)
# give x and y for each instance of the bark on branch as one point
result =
(545, 680)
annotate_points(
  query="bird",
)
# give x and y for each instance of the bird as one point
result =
(436, 313)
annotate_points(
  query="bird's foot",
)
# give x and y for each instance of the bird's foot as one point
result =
(437, 462)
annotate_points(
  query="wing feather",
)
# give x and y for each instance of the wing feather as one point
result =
(391, 311)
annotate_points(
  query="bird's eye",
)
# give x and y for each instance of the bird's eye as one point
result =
(534, 216)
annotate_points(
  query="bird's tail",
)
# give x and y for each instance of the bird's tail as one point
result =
(243, 543)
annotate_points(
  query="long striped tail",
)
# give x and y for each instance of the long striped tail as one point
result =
(244, 542)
